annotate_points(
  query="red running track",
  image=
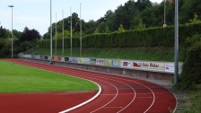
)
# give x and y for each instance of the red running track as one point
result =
(119, 94)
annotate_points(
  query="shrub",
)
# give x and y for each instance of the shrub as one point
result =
(191, 75)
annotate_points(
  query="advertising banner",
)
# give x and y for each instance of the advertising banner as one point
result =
(100, 62)
(42, 57)
(108, 62)
(58, 58)
(84, 60)
(116, 63)
(46, 57)
(37, 56)
(157, 66)
(33, 56)
(169, 67)
(93, 61)
(62, 59)
(27, 56)
(53, 58)
(66, 58)
(129, 64)
(126, 64)
(73, 59)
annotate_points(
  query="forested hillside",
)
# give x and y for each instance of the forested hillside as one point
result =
(134, 14)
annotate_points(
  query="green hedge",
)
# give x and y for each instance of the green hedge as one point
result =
(191, 74)
(151, 37)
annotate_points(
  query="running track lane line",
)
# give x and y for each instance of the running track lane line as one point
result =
(75, 107)
(132, 99)
(115, 96)
(152, 102)
(130, 102)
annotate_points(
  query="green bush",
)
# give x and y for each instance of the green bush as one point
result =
(191, 74)
(151, 37)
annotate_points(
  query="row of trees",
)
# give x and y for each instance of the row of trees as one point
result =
(22, 41)
(132, 15)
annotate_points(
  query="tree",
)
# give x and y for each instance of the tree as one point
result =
(140, 26)
(96, 31)
(4, 33)
(121, 28)
(195, 20)
(188, 9)
(107, 30)
(90, 27)
(29, 35)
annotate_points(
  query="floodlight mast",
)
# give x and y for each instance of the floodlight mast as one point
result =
(164, 24)
(71, 40)
(80, 31)
(176, 41)
(50, 31)
(11, 6)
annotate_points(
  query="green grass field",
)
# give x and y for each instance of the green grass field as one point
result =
(16, 78)
(143, 53)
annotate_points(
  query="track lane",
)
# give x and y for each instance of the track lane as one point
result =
(145, 92)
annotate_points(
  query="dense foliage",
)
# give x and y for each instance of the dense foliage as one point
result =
(191, 74)
(151, 37)
(133, 15)
(22, 41)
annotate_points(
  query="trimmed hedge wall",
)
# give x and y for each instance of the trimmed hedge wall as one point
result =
(151, 37)
(191, 74)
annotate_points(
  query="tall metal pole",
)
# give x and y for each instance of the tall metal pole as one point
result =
(164, 24)
(50, 31)
(176, 41)
(63, 33)
(11, 6)
(71, 42)
(80, 32)
(56, 35)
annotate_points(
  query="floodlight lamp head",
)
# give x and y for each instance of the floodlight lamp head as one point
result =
(11, 6)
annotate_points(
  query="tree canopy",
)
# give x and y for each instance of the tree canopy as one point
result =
(133, 15)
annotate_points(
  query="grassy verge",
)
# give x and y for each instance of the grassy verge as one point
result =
(151, 54)
(195, 97)
(18, 78)
(189, 101)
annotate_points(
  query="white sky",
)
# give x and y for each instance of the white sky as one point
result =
(35, 14)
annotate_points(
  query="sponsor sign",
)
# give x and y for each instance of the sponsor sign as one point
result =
(100, 62)
(53, 58)
(157, 66)
(108, 62)
(126, 64)
(42, 57)
(46, 57)
(93, 61)
(73, 60)
(129, 64)
(169, 67)
(66, 58)
(62, 59)
(84, 60)
(58, 58)
(37, 56)
(116, 63)
(28, 56)
(33, 56)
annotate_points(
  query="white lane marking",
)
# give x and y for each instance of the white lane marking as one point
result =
(117, 92)
(153, 101)
(154, 97)
(82, 104)
(116, 95)
(75, 107)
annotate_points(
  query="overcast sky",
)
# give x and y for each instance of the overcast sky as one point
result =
(35, 14)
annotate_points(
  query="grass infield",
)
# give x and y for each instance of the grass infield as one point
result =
(16, 78)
